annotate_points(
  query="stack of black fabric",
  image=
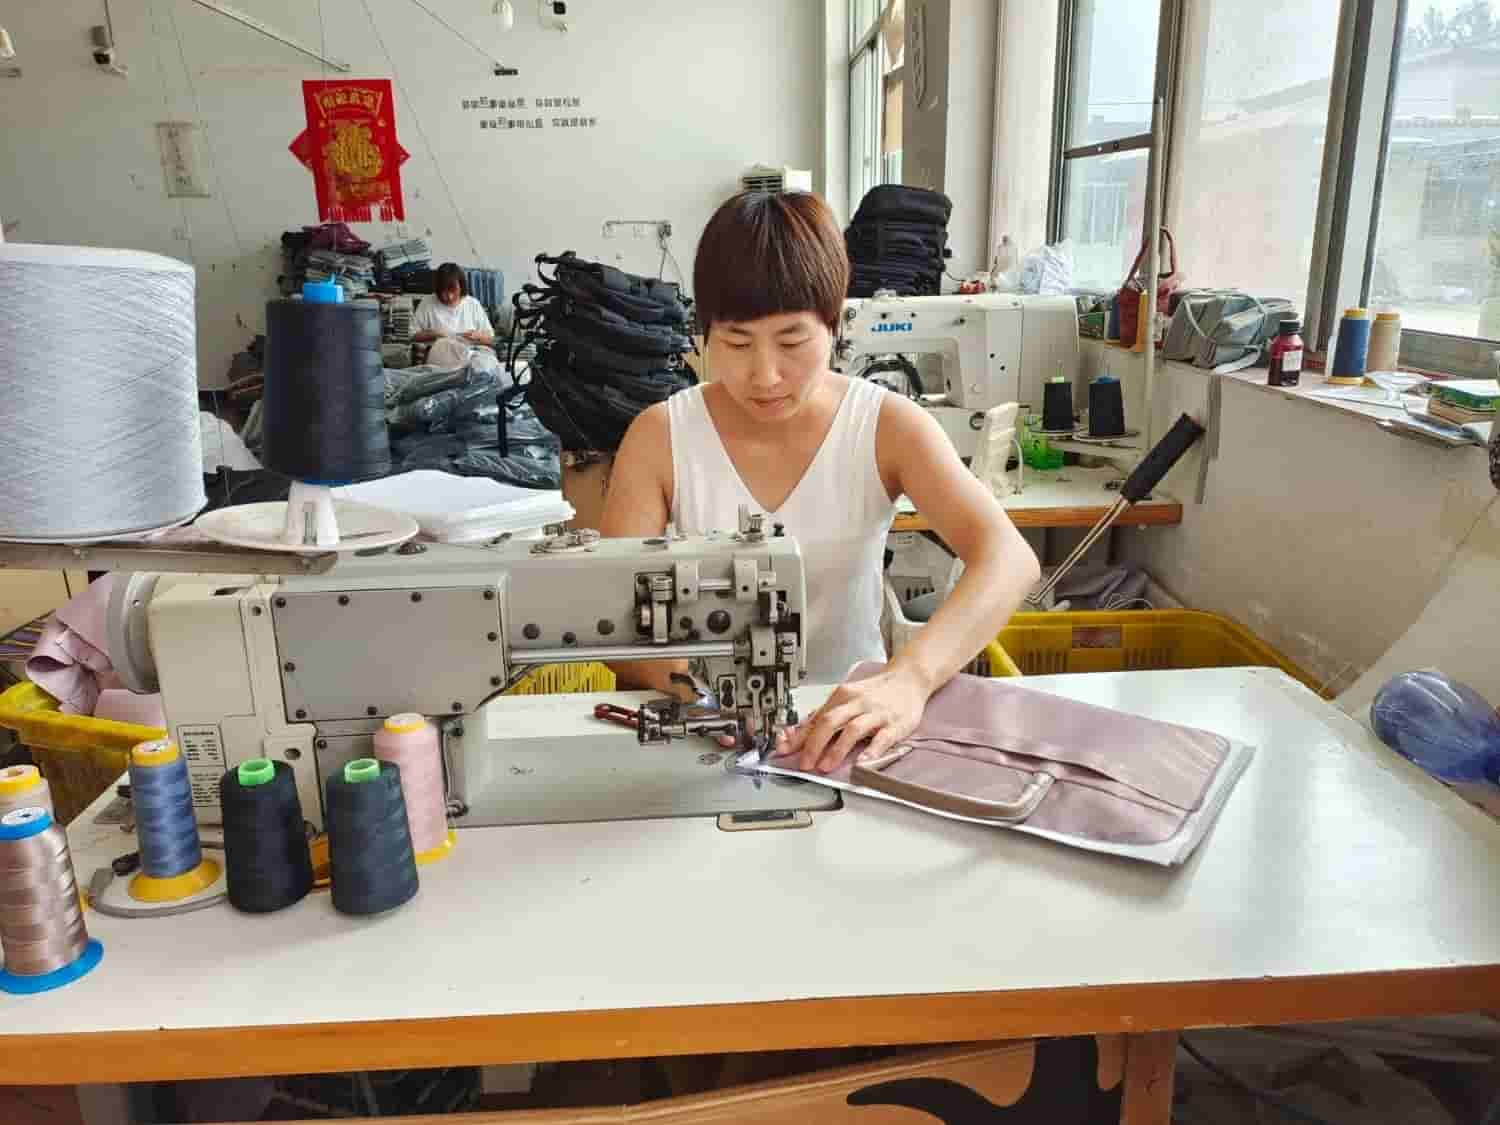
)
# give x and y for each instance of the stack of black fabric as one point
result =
(899, 241)
(609, 344)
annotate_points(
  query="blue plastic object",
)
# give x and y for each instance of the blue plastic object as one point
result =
(18, 985)
(20, 824)
(1443, 726)
(322, 293)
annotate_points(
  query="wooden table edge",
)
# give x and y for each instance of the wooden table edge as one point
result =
(1131, 1009)
(1149, 513)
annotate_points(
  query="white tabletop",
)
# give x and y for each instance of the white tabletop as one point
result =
(1332, 857)
(1070, 487)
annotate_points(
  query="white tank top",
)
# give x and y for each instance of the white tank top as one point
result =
(839, 513)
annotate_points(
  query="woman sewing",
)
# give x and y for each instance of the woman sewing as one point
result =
(827, 457)
(449, 311)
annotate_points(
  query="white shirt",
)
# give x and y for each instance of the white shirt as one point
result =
(451, 320)
(839, 513)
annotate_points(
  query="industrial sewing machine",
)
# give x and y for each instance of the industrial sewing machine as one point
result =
(988, 348)
(304, 669)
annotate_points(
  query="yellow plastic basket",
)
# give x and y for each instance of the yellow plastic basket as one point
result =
(79, 755)
(34, 716)
(995, 662)
(1047, 643)
(565, 679)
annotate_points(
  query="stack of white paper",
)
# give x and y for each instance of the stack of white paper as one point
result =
(455, 509)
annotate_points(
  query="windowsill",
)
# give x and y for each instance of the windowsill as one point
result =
(1311, 389)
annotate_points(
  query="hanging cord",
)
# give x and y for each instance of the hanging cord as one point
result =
(166, 102)
(667, 256)
(421, 132)
(1240, 1084)
(500, 68)
(208, 144)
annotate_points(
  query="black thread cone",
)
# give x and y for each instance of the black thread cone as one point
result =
(369, 843)
(266, 861)
(324, 404)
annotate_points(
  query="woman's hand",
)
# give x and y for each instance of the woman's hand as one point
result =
(884, 708)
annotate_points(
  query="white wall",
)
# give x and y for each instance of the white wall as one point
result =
(947, 136)
(1318, 530)
(1026, 56)
(687, 92)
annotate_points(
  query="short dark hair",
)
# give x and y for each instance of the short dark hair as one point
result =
(764, 253)
(450, 273)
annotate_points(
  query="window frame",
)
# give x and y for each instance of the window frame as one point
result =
(1165, 65)
(1346, 224)
(1474, 356)
(862, 43)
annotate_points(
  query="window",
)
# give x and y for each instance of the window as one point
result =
(876, 88)
(1108, 57)
(864, 126)
(1251, 114)
(1437, 252)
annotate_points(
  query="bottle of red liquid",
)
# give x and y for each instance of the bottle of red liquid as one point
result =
(1286, 355)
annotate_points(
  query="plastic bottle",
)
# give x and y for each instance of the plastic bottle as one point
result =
(1443, 726)
(1286, 355)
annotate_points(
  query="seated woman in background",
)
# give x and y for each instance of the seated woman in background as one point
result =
(450, 311)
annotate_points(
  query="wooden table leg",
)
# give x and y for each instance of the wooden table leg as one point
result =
(1150, 1060)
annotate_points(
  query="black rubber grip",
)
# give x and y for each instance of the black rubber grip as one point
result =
(1159, 461)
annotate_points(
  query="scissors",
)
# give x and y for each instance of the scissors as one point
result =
(623, 716)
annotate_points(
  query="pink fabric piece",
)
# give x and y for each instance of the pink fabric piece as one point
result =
(71, 659)
(128, 707)
(1119, 778)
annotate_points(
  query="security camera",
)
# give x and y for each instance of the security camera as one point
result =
(106, 58)
(553, 14)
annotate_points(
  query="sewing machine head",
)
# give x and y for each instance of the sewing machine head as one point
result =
(993, 348)
(304, 669)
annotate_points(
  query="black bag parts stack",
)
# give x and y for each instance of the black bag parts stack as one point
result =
(609, 344)
(899, 241)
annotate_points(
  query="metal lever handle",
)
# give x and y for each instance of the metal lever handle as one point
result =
(1166, 453)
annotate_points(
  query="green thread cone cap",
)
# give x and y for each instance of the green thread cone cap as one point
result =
(362, 769)
(256, 771)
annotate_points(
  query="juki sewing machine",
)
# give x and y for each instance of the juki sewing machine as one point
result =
(304, 669)
(991, 348)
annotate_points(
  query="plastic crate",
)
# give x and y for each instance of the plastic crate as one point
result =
(564, 679)
(34, 716)
(994, 661)
(79, 755)
(1048, 643)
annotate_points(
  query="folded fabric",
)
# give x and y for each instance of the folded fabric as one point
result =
(127, 707)
(71, 659)
(1112, 587)
(998, 753)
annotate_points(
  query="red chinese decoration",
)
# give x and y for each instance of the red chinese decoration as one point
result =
(350, 147)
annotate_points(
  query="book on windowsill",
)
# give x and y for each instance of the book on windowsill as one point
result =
(1468, 394)
(1457, 414)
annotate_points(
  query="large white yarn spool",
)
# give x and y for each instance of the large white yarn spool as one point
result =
(98, 377)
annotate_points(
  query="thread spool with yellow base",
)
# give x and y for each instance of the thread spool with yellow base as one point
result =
(173, 866)
(411, 742)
